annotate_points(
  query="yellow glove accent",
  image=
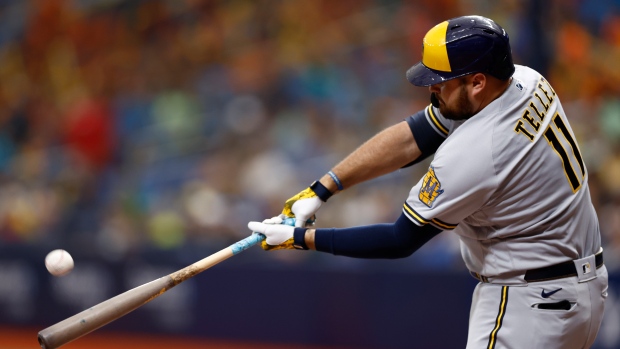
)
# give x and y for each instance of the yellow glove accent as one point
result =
(304, 194)
(286, 245)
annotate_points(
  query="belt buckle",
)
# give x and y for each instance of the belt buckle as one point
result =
(586, 268)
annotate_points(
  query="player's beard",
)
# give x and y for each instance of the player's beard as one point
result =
(463, 108)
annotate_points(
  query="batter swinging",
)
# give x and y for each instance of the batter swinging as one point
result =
(507, 177)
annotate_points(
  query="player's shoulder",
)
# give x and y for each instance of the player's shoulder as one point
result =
(469, 146)
(525, 77)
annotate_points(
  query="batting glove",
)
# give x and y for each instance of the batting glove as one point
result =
(279, 219)
(278, 236)
(304, 205)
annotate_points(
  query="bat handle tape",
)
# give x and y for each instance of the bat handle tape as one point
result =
(246, 243)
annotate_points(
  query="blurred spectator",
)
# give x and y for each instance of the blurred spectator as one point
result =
(165, 124)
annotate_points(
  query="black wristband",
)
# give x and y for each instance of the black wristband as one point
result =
(321, 191)
(299, 239)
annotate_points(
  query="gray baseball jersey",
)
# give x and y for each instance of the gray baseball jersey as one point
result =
(511, 182)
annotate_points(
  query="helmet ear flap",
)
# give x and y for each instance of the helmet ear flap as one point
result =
(502, 66)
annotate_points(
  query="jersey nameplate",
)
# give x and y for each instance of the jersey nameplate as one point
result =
(539, 106)
(557, 133)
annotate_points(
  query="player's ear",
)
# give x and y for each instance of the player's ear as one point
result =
(479, 80)
(478, 83)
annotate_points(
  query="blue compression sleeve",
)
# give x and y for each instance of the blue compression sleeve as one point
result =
(426, 137)
(388, 241)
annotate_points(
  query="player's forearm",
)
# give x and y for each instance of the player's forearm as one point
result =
(386, 152)
(396, 240)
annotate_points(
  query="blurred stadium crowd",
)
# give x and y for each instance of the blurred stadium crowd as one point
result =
(167, 125)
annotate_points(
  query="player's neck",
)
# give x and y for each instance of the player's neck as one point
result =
(495, 88)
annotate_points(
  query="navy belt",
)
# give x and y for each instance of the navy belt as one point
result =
(557, 271)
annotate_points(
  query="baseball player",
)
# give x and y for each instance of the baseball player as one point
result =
(507, 177)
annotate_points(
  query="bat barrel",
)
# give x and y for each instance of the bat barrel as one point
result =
(99, 315)
(102, 313)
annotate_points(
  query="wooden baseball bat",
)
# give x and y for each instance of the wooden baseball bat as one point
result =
(101, 314)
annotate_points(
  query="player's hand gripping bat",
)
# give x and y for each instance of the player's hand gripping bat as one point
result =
(114, 308)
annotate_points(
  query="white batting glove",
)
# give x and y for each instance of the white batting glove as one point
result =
(277, 236)
(279, 219)
(303, 207)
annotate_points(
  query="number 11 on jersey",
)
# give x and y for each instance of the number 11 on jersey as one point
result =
(553, 140)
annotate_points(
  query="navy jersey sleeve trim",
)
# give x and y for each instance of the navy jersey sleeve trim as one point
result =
(441, 127)
(415, 216)
(386, 241)
(426, 136)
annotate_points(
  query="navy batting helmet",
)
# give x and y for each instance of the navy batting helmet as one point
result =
(461, 46)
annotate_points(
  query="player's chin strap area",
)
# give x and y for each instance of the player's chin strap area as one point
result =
(582, 268)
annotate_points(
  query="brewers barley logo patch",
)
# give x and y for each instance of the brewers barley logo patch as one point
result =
(431, 188)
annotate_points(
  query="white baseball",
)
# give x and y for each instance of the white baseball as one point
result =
(59, 262)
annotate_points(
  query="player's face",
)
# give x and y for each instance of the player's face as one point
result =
(453, 97)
